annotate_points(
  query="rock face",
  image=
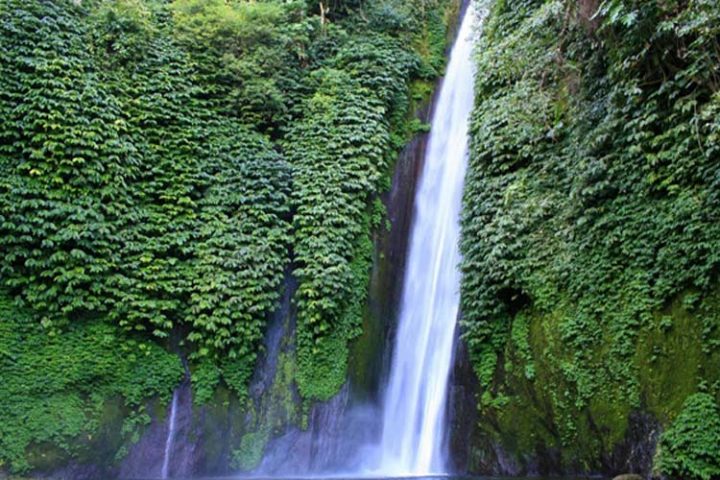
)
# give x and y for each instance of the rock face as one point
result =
(635, 453)
(462, 406)
(371, 353)
(521, 437)
(146, 458)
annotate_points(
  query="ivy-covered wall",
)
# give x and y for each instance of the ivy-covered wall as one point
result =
(164, 165)
(591, 232)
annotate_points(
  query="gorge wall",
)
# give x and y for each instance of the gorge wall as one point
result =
(213, 198)
(590, 291)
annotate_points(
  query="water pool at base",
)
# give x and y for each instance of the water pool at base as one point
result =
(349, 477)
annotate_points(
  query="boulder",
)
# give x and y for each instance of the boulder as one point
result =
(628, 476)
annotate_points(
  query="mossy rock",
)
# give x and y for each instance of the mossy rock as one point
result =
(530, 406)
(45, 456)
(250, 453)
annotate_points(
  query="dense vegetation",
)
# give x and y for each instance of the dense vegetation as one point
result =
(165, 166)
(591, 229)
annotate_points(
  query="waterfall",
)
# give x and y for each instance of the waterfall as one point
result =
(169, 440)
(342, 440)
(413, 431)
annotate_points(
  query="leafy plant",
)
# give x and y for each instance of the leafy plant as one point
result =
(688, 449)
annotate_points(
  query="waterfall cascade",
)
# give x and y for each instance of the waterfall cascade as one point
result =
(413, 430)
(408, 436)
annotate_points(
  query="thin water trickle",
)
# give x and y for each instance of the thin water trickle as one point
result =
(170, 439)
(414, 420)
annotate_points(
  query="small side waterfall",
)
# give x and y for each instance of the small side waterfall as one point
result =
(172, 421)
(413, 432)
(170, 447)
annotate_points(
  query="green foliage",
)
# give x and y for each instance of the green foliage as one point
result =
(340, 148)
(251, 52)
(235, 26)
(339, 153)
(205, 377)
(592, 205)
(128, 200)
(127, 193)
(123, 29)
(53, 388)
(689, 448)
(164, 163)
(64, 156)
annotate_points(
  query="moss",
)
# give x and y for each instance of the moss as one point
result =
(250, 452)
(81, 393)
(364, 352)
(520, 407)
(283, 403)
(45, 456)
(277, 408)
(102, 445)
(669, 359)
(609, 413)
(529, 414)
(220, 418)
(522, 425)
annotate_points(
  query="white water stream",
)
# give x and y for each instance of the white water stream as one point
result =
(414, 435)
(170, 439)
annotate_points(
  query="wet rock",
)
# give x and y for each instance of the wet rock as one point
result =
(636, 451)
(628, 476)
(146, 458)
(462, 409)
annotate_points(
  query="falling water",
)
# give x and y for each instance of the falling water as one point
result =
(415, 401)
(170, 436)
(340, 439)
